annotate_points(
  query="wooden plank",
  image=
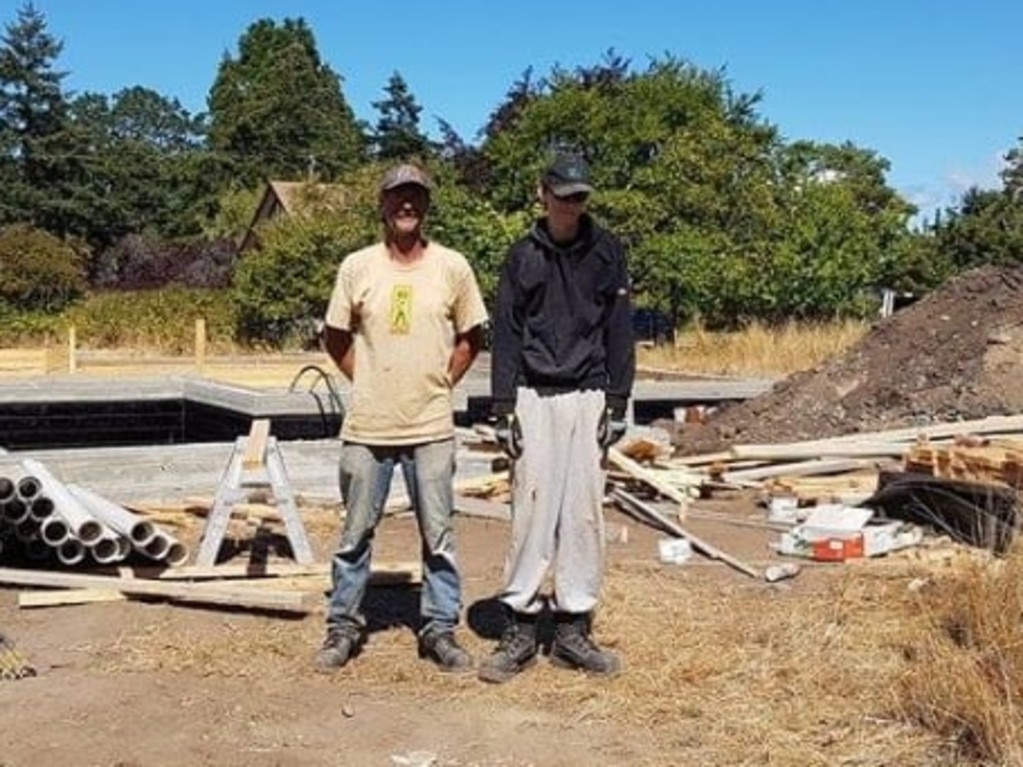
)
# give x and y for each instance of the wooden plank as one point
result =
(480, 507)
(382, 570)
(799, 469)
(636, 471)
(702, 459)
(205, 593)
(67, 597)
(1001, 424)
(255, 444)
(837, 449)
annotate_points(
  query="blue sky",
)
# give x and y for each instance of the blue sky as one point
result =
(928, 85)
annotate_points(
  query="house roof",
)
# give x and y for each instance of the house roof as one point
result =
(288, 198)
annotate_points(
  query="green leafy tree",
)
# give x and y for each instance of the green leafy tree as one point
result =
(1012, 175)
(276, 110)
(234, 211)
(397, 135)
(723, 220)
(144, 165)
(842, 233)
(987, 228)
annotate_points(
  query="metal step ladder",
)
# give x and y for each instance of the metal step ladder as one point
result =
(255, 467)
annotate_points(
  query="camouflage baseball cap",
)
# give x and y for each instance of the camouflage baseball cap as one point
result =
(403, 174)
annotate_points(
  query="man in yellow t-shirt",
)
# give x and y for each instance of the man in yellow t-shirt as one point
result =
(404, 324)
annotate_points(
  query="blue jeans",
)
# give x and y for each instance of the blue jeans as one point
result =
(365, 478)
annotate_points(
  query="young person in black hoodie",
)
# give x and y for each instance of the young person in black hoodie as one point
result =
(562, 367)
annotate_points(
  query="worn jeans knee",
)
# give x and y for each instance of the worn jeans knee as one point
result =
(364, 477)
(432, 498)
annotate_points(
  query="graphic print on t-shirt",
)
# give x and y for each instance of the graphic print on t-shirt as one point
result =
(401, 310)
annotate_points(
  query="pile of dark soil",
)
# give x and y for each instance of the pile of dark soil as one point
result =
(957, 354)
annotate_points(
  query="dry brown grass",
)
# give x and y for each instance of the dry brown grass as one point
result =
(717, 671)
(757, 350)
(966, 678)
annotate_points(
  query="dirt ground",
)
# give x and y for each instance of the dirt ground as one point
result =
(719, 668)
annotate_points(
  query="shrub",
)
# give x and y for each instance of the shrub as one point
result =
(145, 262)
(280, 289)
(161, 320)
(38, 272)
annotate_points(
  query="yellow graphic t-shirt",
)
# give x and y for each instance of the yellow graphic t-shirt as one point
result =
(404, 319)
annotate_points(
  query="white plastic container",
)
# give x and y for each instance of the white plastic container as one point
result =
(784, 509)
(674, 551)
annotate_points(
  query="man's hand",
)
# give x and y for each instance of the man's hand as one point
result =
(508, 433)
(612, 427)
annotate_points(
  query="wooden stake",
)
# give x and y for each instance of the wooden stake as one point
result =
(200, 344)
(72, 352)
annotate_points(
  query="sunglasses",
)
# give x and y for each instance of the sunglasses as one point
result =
(577, 199)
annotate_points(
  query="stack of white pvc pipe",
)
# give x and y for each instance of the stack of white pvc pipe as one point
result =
(47, 517)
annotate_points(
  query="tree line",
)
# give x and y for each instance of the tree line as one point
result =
(725, 220)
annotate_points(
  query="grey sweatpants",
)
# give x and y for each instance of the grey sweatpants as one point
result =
(557, 503)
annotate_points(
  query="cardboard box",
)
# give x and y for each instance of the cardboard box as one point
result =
(833, 520)
(837, 549)
(890, 536)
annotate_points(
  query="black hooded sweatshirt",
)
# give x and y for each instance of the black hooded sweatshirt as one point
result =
(563, 318)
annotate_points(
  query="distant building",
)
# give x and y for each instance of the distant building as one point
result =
(289, 198)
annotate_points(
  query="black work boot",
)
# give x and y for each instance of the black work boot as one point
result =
(573, 648)
(440, 646)
(516, 650)
(340, 646)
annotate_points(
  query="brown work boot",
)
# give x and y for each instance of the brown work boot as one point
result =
(573, 648)
(515, 652)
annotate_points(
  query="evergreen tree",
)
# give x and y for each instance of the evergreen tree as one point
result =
(397, 134)
(277, 110)
(35, 164)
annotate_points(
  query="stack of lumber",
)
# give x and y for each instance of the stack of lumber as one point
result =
(845, 468)
(996, 461)
(847, 488)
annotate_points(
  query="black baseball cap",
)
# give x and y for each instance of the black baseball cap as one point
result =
(567, 174)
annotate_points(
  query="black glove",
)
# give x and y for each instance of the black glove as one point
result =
(612, 427)
(508, 433)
